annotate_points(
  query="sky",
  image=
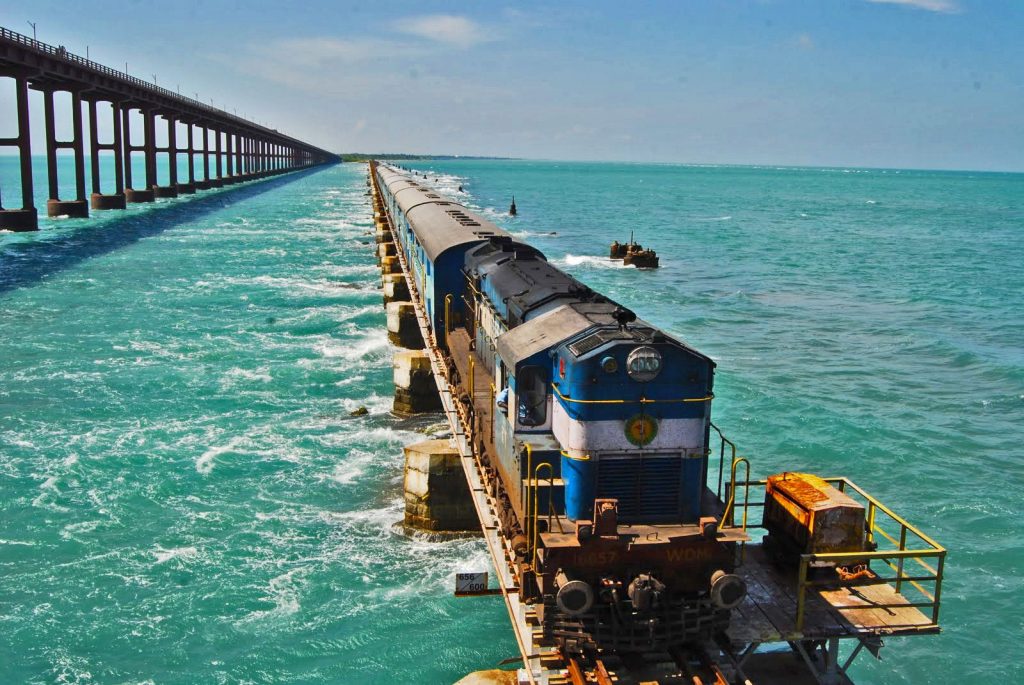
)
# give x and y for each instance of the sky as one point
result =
(875, 83)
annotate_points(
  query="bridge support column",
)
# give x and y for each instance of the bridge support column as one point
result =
(77, 208)
(390, 265)
(26, 218)
(190, 187)
(131, 194)
(228, 159)
(98, 200)
(205, 183)
(396, 289)
(403, 330)
(171, 189)
(218, 181)
(415, 389)
(385, 250)
(436, 496)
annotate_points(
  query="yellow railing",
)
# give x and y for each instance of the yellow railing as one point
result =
(536, 504)
(901, 554)
(894, 551)
(901, 548)
(447, 316)
(729, 514)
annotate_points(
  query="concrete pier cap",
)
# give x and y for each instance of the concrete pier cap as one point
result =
(113, 201)
(437, 498)
(77, 209)
(415, 388)
(133, 195)
(165, 191)
(19, 220)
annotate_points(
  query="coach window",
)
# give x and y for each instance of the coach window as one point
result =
(531, 391)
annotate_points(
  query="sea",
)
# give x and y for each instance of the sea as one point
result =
(185, 496)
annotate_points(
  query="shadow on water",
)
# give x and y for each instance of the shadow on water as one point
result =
(27, 263)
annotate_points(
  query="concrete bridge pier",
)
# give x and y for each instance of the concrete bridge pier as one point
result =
(436, 497)
(98, 200)
(26, 218)
(403, 330)
(189, 188)
(229, 159)
(415, 388)
(171, 189)
(396, 289)
(204, 183)
(217, 180)
(131, 193)
(77, 208)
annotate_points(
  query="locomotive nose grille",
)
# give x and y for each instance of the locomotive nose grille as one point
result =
(648, 488)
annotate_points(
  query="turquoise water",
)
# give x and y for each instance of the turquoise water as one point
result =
(184, 497)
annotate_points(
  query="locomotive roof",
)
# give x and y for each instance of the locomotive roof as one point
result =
(439, 223)
(525, 281)
(552, 328)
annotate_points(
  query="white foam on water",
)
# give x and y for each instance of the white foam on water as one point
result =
(371, 344)
(205, 462)
(48, 490)
(237, 376)
(590, 260)
(164, 555)
(727, 217)
(284, 592)
(375, 404)
(69, 531)
(353, 466)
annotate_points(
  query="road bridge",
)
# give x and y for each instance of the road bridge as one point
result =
(220, 148)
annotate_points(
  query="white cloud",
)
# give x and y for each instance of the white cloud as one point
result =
(309, 52)
(805, 42)
(449, 29)
(944, 6)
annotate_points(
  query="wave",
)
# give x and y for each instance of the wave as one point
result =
(590, 260)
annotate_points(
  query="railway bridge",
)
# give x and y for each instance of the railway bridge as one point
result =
(220, 148)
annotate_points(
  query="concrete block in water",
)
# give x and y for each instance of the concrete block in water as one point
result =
(436, 495)
(402, 327)
(415, 389)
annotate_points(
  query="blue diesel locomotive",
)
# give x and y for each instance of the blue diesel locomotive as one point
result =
(592, 427)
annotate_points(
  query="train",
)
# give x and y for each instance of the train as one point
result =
(593, 432)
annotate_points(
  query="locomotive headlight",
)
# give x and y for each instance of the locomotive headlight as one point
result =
(609, 365)
(643, 364)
